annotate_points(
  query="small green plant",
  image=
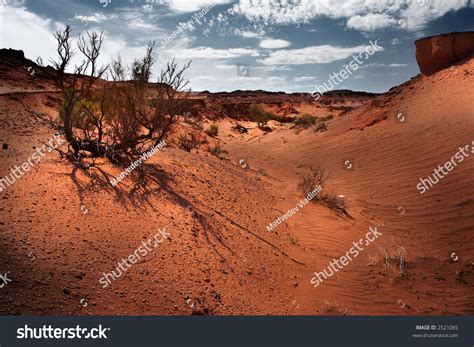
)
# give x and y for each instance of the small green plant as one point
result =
(262, 117)
(213, 130)
(277, 117)
(259, 115)
(305, 121)
(326, 118)
(217, 150)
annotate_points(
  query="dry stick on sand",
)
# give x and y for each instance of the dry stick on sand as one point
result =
(258, 237)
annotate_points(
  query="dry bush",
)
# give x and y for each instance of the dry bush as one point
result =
(240, 128)
(320, 127)
(396, 256)
(189, 142)
(120, 119)
(316, 177)
(194, 122)
(217, 150)
(334, 203)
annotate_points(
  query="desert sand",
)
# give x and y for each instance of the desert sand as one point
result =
(63, 226)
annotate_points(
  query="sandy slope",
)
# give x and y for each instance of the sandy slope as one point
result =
(62, 227)
(389, 158)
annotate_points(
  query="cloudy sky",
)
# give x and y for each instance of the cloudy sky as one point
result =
(277, 45)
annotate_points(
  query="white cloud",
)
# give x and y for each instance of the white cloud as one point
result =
(311, 55)
(140, 24)
(203, 78)
(93, 18)
(270, 68)
(245, 79)
(274, 43)
(34, 35)
(395, 42)
(360, 14)
(249, 34)
(28, 32)
(139, 20)
(225, 67)
(371, 21)
(367, 66)
(418, 15)
(304, 78)
(192, 5)
(276, 79)
(212, 53)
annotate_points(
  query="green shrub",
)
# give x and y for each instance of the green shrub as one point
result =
(326, 118)
(277, 117)
(259, 115)
(213, 130)
(262, 117)
(305, 121)
(217, 150)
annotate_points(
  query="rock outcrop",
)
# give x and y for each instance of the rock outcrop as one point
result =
(439, 52)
